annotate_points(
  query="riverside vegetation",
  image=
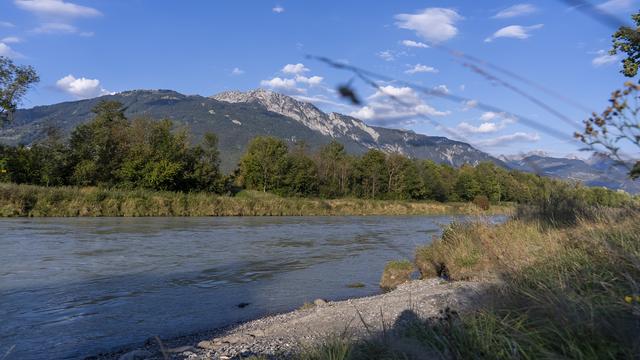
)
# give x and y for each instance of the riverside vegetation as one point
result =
(113, 166)
(564, 278)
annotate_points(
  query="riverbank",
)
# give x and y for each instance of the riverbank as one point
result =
(312, 326)
(38, 201)
(527, 288)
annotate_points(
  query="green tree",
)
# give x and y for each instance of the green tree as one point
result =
(301, 178)
(618, 123)
(53, 155)
(627, 40)
(467, 186)
(403, 181)
(486, 174)
(206, 172)
(264, 165)
(372, 174)
(99, 146)
(334, 167)
(15, 81)
(157, 158)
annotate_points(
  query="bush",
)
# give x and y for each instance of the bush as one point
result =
(482, 202)
(395, 273)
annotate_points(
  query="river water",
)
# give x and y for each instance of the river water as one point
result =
(74, 287)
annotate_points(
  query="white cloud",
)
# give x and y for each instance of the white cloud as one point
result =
(419, 68)
(433, 24)
(364, 113)
(82, 88)
(511, 138)
(392, 105)
(516, 10)
(469, 104)
(56, 28)
(294, 69)
(11, 40)
(7, 51)
(514, 32)
(278, 9)
(279, 83)
(414, 44)
(443, 89)
(489, 115)
(313, 80)
(56, 8)
(603, 58)
(614, 6)
(386, 55)
(319, 99)
(485, 127)
(237, 71)
(6, 24)
(488, 124)
(296, 83)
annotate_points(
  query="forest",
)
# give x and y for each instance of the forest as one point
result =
(111, 151)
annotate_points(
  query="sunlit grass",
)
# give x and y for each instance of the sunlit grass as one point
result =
(29, 200)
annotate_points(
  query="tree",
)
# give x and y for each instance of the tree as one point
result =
(157, 158)
(54, 158)
(99, 146)
(403, 181)
(467, 186)
(15, 81)
(265, 164)
(333, 169)
(207, 165)
(372, 173)
(627, 40)
(432, 181)
(486, 175)
(618, 124)
(301, 178)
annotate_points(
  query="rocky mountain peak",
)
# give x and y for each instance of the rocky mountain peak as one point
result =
(333, 124)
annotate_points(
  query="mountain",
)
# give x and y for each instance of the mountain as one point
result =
(597, 171)
(237, 117)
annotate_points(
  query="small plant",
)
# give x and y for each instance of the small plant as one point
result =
(356, 285)
(396, 272)
(307, 306)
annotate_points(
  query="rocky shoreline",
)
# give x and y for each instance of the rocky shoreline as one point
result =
(278, 336)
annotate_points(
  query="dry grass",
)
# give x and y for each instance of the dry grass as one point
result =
(395, 273)
(477, 250)
(28, 200)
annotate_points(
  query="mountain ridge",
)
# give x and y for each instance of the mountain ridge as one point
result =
(236, 117)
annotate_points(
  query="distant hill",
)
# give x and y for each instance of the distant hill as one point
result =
(237, 117)
(597, 171)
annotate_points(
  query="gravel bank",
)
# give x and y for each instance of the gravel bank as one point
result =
(277, 336)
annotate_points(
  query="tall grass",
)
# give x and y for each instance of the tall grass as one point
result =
(29, 200)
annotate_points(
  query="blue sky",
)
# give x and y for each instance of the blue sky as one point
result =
(85, 48)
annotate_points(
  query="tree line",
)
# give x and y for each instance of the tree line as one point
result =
(113, 151)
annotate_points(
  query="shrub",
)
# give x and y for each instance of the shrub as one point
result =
(395, 273)
(482, 202)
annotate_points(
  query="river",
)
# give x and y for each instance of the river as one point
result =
(74, 287)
